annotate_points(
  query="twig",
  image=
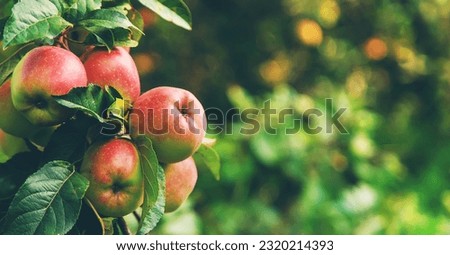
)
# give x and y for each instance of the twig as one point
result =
(137, 216)
(123, 226)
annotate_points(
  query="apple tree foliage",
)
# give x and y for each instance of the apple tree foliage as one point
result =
(41, 190)
(389, 175)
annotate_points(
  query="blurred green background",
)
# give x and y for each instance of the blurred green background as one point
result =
(387, 62)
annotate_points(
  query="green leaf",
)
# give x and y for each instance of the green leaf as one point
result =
(107, 19)
(211, 159)
(7, 68)
(100, 37)
(157, 211)
(5, 12)
(32, 20)
(109, 28)
(10, 57)
(77, 10)
(150, 168)
(60, 5)
(13, 174)
(16, 170)
(114, 3)
(49, 201)
(123, 37)
(112, 92)
(6, 5)
(69, 142)
(93, 100)
(123, 7)
(136, 18)
(89, 222)
(175, 11)
(110, 38)
(2, 27)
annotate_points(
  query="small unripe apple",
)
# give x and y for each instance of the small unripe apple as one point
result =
(44, 72)
(114, 68)
(181, 178)
(116, 186)
(11, 120)
(173, 119)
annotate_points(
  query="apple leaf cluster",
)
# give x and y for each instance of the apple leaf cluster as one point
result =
(29, 23)
(80, 164)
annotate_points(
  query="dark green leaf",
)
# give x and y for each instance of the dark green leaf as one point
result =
(7, 68)
(14, 172)
(92, 100)
(6, 5)
(109, 38)
(175, 11)
(107, 19)
(136, 18)
(49, 201)
(123, 37)
(112, 92)
(68, 142)
(114, 3)
(211, 159)
(31, 20)
(5, 12)
(89, 222)
(157, 211)
(150, 168)
(78, 10)
(100, 37)
(123, 7)
(2, 27)
(10, 57)
(109, 28)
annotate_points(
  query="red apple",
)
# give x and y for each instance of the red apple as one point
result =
(42, 73)
(115, 68)
(116, 186)
(181, 178)
(173, 119)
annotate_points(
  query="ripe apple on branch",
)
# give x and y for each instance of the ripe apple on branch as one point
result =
(54, 107)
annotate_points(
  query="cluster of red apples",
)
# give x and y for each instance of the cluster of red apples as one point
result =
(172, 118)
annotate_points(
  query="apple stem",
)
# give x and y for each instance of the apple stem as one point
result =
(62, 40)
(123, 226)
